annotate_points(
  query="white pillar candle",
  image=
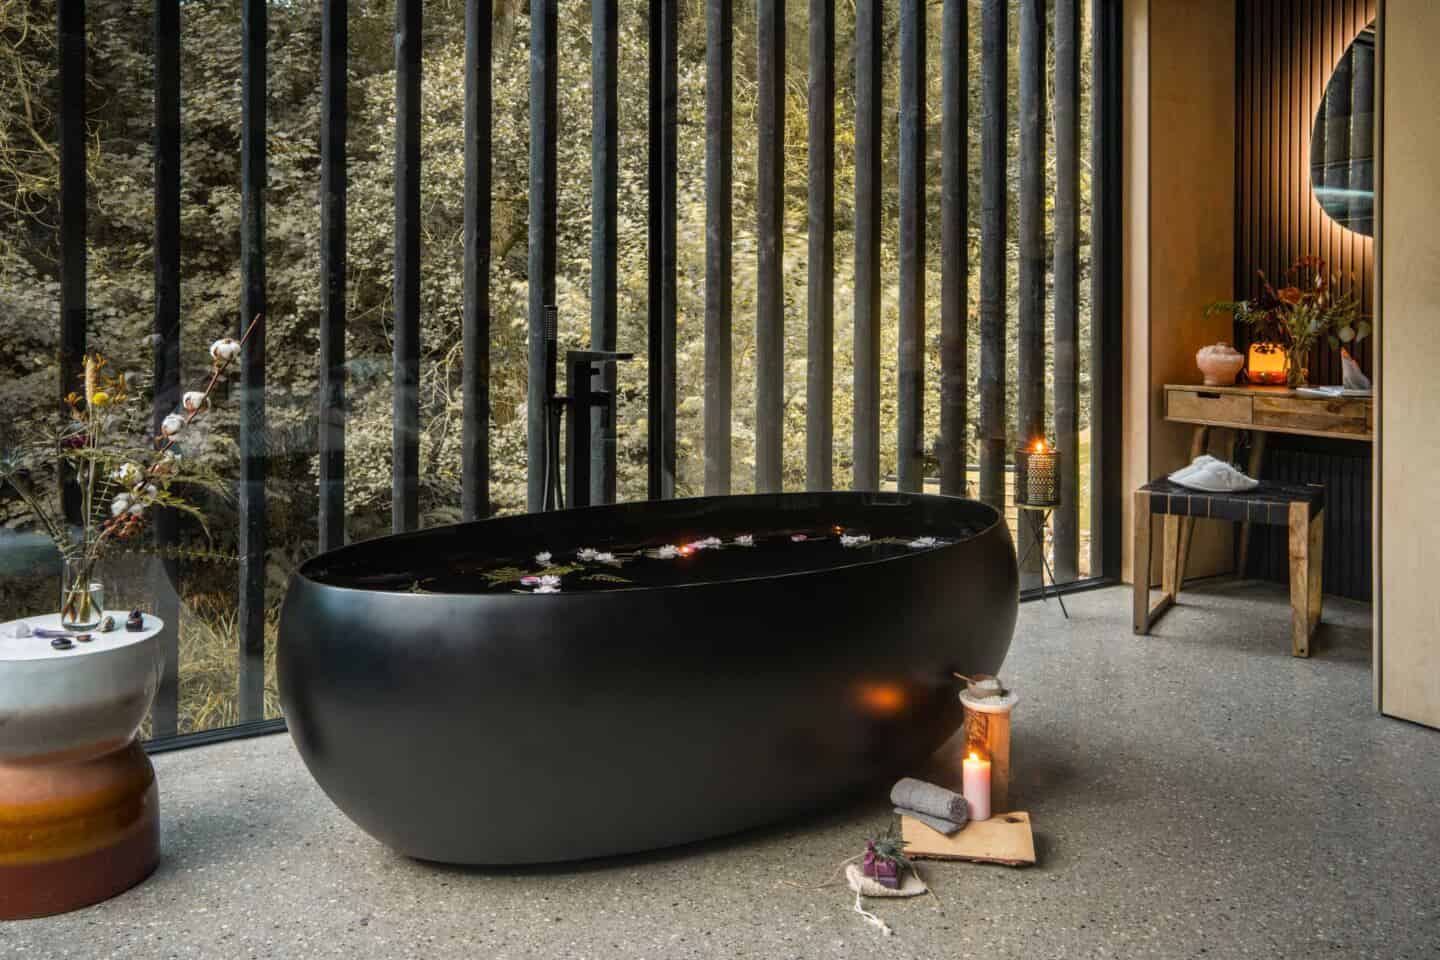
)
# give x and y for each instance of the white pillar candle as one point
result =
(976, 786)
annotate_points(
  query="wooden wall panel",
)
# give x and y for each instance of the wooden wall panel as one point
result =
(1287, 50)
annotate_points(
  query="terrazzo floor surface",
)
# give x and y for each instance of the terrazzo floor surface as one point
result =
(1197, 793)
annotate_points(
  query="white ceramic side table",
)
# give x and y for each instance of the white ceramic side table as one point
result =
(79, 808)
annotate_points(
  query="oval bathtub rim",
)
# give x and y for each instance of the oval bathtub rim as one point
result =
(302, 572)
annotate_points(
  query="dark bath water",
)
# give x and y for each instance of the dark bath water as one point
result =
(721, 556)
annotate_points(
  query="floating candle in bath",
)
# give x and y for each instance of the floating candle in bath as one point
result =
(977, 786)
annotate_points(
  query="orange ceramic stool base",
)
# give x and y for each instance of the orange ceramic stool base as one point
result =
(75, 832)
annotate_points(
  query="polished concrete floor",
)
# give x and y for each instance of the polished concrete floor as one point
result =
(1195, 793)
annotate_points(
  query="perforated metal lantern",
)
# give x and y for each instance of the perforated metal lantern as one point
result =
(1037, 476)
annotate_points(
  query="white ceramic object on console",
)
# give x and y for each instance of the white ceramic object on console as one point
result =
(87, 700)
(1220, 364)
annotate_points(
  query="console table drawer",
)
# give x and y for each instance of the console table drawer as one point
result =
(1338, 415)
(1210, 407)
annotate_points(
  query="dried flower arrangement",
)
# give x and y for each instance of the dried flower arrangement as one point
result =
(120, 482)
(1294, 318)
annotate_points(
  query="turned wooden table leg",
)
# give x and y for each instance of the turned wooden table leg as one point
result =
(1307, 550)
(1199, 443)
(1257, 456)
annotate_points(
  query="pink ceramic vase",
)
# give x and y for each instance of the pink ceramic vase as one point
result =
(1219, 363)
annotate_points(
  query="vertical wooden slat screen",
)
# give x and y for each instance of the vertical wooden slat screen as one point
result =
(74, 311)
(405, 446)
(954, 247)
(475, 333)
(1067, 286)
(869, 36)
(664, 104)
(1030, 339)
(1107, 396)
(604, 235)
(166, 358)
(544, 93)
(770, 242)
(334, 114)
(820, 342)
(1287, 55)
(910, 452)
(719, 299)
(252, 361)
(994, 58)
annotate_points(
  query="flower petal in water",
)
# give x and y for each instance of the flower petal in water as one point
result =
(543, 558)
(604, 557)
(529, 581)
(798, 538)
(546, 588)
(586, 555)
(667, 552)
(745, 540)
(854, 540)
(921, 543)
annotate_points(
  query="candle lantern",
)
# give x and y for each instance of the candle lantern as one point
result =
(1266, 363)
(987, 741)
(1037, 487)
(1037, 476)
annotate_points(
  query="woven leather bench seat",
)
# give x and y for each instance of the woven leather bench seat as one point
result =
(1300, 507)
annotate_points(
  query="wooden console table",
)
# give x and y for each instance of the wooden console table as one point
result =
(1263, 411)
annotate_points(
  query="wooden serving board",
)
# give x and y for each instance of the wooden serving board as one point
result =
(1005, 838)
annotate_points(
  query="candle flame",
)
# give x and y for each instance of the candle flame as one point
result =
(1039, 445)
(974, 756)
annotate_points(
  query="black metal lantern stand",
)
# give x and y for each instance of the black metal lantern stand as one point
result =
(1037, 488)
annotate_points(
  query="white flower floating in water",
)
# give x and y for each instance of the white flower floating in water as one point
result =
(606, 558)
(857, 540)
(667, 552)
(798, 538)
(921, 543)
(587, 555)
(192, 401)
(172, 424)
(709, 543)
(745, 540)
(225, 349)
(543, 558)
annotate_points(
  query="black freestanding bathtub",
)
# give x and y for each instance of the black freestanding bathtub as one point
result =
(503, 727)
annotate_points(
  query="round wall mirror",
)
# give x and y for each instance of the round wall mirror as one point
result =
(1342, 148)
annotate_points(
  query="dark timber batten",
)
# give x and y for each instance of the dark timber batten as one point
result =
(166, 582)
(1067, 288)
(820, 333)
(252, 361)
(770, 242)
(543, 96)
(405, 445)
(1106, 279)
(719, 139)
(334, 29)
(475, 377)
(73, 308)
(910, 450)
(1030, 344)
(868, 105)
(664, 102)
(954, 246)
(604, 236)
(993, 217)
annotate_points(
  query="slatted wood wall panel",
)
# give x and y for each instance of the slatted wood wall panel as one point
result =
(1287, 50)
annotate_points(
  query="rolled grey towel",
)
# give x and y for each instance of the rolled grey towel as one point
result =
(935, 823)
(929, 799)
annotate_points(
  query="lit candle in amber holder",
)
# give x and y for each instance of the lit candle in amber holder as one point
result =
(1266, 363)
(976, 786)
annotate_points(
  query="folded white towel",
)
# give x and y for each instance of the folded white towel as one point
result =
(1213, 476)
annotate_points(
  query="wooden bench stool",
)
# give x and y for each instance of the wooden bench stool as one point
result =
(1300, 507)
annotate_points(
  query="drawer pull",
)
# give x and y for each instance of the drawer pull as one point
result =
(1207, 394)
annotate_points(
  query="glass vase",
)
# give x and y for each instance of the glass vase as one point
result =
(1296, 375)
(82, 596)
